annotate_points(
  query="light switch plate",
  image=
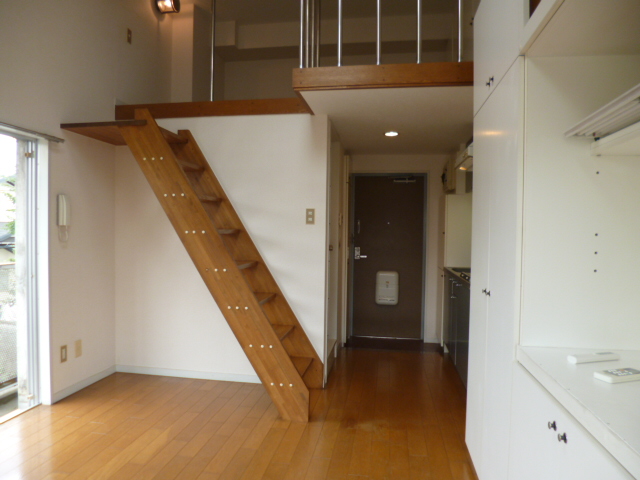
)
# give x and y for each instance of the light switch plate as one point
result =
(311, 216)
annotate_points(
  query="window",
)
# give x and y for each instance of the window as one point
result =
(19, 378)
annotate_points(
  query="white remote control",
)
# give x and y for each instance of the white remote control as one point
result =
(593, 357)
(618, 375)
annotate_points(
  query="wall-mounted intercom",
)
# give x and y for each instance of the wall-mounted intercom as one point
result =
(63, 218)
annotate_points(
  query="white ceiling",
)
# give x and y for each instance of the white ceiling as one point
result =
(430, 120)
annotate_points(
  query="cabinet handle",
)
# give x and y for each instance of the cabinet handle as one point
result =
(562, 437)
(552, 425)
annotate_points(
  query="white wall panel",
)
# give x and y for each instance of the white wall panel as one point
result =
(576, 205)
(68, 61)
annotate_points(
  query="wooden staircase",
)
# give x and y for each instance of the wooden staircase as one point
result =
(226, 257)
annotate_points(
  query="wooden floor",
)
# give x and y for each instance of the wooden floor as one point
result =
(383, 415)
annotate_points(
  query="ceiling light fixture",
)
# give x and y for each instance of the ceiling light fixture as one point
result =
(168, 6)
(391, 134)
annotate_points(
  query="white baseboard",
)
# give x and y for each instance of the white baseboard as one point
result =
(76, 387)
(168, 372)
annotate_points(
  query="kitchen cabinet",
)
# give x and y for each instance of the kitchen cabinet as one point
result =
(564, 450)
(496, 250)
(554, 243)
(498, 25)
(456, 321)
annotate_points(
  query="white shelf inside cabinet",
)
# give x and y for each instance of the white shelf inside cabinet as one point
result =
(624, 142)
(610, 412)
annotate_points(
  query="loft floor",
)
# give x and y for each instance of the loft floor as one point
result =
(383, 415)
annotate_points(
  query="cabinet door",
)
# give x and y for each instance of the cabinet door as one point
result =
(480, 226)
(462, 330)
(535, 450)
(496, 251)
(498, 25)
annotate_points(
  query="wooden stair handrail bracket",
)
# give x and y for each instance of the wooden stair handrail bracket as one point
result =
(226, 258)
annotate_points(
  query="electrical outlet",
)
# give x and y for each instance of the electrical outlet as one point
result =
(311, 216)
(78, 348)
(129, 35)
(63, 353)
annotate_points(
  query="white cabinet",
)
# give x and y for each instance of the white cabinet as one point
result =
(498, 25)
(538, 449)
(495, 261)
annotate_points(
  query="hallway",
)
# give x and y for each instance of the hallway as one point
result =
(383, 415)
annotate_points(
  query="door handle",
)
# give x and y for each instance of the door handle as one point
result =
(357, 255)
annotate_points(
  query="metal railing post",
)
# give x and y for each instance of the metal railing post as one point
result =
(213, 49)
(419, 27)
(318, 32)
(302, 33)
(339, 33)
(378, 41)
(459, 30)
(307, 34)
(312, 34)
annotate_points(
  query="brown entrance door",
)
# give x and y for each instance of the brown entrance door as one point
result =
(388, 229)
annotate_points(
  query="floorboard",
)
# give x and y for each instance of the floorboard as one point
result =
(383, 416)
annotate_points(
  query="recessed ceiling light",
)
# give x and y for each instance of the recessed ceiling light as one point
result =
(391, 134)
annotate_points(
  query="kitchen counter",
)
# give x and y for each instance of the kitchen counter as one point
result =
(608, 411)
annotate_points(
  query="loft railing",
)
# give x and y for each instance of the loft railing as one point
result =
(310, 32)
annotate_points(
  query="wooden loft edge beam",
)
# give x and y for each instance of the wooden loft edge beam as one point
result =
(440, 74)
(104, 131)
(275, 106)
(109, 132)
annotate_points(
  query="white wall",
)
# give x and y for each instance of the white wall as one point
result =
(458, 230)
(272, 168)
(68, 61)
(432, 165)
(259, 79)
(191, 55)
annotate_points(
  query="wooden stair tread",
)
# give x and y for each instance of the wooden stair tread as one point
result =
(242, 264)
(283, 330)
(190, 166)
(264, 297)
(302, 364)
(228, 231)
(171, 137)
(209, 198)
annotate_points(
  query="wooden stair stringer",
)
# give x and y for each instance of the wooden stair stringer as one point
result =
(278, 309)
(218, 269)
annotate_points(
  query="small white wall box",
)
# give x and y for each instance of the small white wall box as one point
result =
(387, 288)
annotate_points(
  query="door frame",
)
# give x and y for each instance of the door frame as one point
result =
(350, 250)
